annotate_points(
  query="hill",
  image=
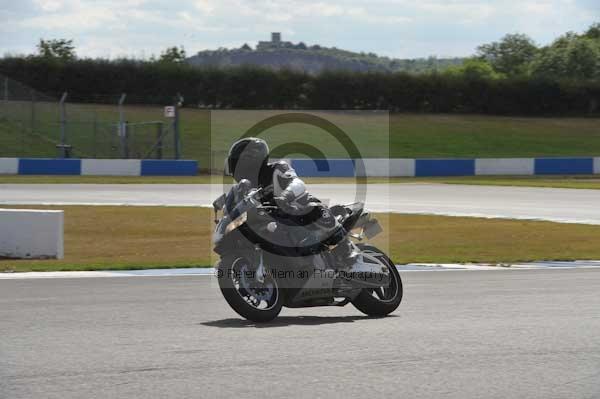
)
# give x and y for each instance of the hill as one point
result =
(277, 54)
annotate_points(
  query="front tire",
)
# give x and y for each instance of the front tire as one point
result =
(256, 302)
(380, 302)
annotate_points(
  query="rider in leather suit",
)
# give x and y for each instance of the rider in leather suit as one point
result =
(248, 158)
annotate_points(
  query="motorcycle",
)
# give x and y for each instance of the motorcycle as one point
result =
(268, 262)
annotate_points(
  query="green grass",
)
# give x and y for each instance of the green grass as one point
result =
(43, 179)
(409, 135)
(109, 238)
(575, 181)
(113, 237)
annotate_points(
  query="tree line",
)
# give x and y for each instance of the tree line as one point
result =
(511, 76)
(247, 87)
(570, 56)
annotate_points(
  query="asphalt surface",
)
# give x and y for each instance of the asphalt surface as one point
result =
(457, 334)
(553, 204)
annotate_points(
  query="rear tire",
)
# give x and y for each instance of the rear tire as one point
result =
(234, 298)
(367, 303)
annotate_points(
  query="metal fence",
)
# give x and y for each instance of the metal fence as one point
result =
(33, 124)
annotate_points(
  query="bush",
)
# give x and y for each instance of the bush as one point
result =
(470, 88)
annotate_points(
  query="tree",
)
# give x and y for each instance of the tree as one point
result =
(593, 31)
(550, 63)
(246, 47)
(583, 59)
(474, 68)
(173, 55)
(511, 55)
(62, 49)
(570, 56)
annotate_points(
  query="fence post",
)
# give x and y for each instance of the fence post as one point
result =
(23, 152)
(178, 103)
(122, 127)
(32, 124)
(95, 132)
(159, 143)
(63, 125)
(6, 89)
(126, 128)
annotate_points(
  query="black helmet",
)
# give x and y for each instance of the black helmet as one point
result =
(246, 157)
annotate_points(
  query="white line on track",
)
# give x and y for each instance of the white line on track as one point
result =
(206, 271)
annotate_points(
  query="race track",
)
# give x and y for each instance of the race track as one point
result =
(553, 204)
(458, 334)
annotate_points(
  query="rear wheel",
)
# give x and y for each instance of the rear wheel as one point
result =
(251, 299)
(383, 300)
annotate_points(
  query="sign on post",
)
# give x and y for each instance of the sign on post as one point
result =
(170, 111)
(121, 129)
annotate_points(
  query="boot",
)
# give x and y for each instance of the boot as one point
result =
(345, 254)
(353, 266)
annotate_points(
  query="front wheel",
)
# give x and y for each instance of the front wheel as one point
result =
(251, 299)
(383, 300)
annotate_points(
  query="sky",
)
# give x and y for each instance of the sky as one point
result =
(394, 28)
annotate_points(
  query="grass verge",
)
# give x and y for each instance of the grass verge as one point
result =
(48, 179)
(109, 238)
(91, 130)
(590, 182)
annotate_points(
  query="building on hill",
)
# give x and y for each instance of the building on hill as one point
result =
(275, 42)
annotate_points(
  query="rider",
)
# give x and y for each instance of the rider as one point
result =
(248, 158)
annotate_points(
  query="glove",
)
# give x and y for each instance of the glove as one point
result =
(268, 191)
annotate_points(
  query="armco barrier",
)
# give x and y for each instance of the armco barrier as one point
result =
(444, 167)
(9, 166)
(504, 166)
(28, 233)
(111, 167)
(384, 167)
(40, 166)
(99, 167)
(564, 166)
(324, 167)
(152, 167)
(373, 167)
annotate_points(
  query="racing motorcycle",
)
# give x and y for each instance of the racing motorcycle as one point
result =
(267, 261)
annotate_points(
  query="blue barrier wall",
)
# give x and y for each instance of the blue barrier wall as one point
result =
(39, 166)
(324, 167)
(155, 167)
(445, 167)
(311, 168)
(116, 167)
(455, 167)
(564, 166)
